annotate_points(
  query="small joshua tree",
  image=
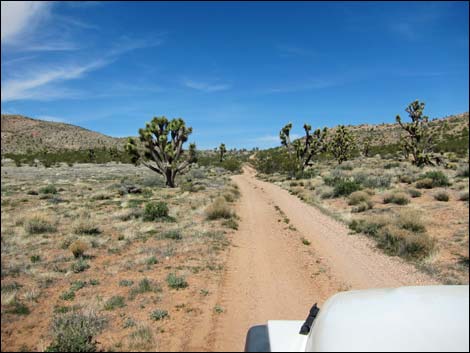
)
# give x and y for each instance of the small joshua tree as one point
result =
(366, 143)
(162, 149)
(306, 148)
(342, 144)
(418, 141)
(222, 151)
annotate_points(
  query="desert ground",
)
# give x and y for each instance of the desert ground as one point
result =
(231, 252)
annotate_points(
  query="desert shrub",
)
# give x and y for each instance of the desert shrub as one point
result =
(414, 193)
(232, 165)
(426, 183)
(357, 197)
(176, 282)
(86, 226)
(114, 302)
(77, 285)
(398, 198)
(228, 196)
(75, 332)
(141, 339)
(191, 187)
(438, 178)
(78, 248)
(463, 172)
(159, 314)
(403, 234)
(155, 211)
(35, 258)
(49, 189)
(442, 196)
(18, 308)
(174, 234)
(219, 209)
(80, 266)
(346, 187)
(464, 196)
(363, 206)
(392, 165)
(230, 223)
(152, 260)
(39, 223)
(133, 213)
(144, 286)
(371, 181)
(126, 283)
(69, 295)
(406, 178)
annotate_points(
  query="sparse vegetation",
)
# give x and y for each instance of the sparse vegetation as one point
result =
(442, 196)
(398, 198)
(159, 314)
(176, 282)
(76, 332)
(39, 223)
(155, 211)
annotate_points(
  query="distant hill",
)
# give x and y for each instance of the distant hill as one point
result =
(20, 134)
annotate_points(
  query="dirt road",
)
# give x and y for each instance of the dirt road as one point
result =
(272, 274)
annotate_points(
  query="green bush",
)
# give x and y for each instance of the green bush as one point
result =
(75, 332)
(158, 315)
(155, 211)
(49, 189)
(69, 295)
(438, 178)
(144, 286)
(176, 282)
(346, 187)
(442, 196)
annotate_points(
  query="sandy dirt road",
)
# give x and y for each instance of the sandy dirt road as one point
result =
(271, 274)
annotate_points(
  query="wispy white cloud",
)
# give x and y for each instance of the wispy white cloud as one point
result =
(206, 86)
(40, 83)
(20, 18)
(36, 85)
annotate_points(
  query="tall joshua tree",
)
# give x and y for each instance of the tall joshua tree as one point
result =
(306, 148)
(342, 144)
(418, 141)
(222, 151)
(162, 148)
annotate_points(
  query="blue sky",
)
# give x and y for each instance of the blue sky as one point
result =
(236, 72)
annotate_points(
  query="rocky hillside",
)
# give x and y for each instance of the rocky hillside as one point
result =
(22, 134)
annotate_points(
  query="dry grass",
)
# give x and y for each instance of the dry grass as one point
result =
(219, 209)
(112, 243)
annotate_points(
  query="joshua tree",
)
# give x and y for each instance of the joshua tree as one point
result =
(366, 143)
(306, 148)
(222, 151)
(418, 141)
(162, 149)
(342, 144)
